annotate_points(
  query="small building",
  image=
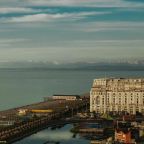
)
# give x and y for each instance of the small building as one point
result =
(48, 99)
(66, 97)
(123, 136)
(22, 112)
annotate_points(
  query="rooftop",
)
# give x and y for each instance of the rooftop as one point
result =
(66, 95)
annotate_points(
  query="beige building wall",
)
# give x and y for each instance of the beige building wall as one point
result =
(117, 95)
(65, 97)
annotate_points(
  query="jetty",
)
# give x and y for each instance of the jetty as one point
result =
(61, 111)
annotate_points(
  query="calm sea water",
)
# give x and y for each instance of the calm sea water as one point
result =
(63, 135)
(24, 86)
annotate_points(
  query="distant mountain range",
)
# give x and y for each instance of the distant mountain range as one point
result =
(75, 66)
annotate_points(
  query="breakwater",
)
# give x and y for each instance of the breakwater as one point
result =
(62, 109)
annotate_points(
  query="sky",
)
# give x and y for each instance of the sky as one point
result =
(71, 30)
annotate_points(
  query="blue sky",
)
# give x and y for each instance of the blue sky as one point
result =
(71, 30)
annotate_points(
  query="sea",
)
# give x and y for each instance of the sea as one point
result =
(22, 86)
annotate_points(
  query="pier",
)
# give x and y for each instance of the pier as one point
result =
(62, 109)
(91, 130)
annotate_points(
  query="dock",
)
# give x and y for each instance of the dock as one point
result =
(61, 110)
(91, 130)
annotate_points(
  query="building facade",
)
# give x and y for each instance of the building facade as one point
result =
(123, 136)
(117, 95)
(66, 97)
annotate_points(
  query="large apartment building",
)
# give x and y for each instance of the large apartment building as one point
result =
(117, 95)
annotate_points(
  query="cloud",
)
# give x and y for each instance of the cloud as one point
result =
(136, 1)
(23, 10)
(91, 3)
(107, 43)
(12, 40)
(75, 54)
(6, 30)
(5, 10)
(104, 26)
(44, 17)
(131, 9)
(9, 42)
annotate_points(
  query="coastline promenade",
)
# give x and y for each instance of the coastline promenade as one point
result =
(62, 109)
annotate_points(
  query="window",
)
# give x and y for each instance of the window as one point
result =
(113, 100)
(103, 100)
(125, 100)
(97, 100)
(119, 100)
